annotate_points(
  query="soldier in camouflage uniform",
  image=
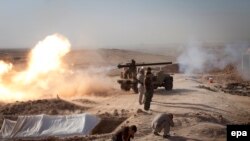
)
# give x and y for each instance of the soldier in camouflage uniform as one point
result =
(149, 89)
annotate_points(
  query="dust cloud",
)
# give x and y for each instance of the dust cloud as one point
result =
(68, 84)
(83, 82)
(48, 75)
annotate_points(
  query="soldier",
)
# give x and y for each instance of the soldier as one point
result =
(125, 133)
(132, 68)
(141, 88)
(162, 121)
(130, 72)
(149, 89)
(126, 74)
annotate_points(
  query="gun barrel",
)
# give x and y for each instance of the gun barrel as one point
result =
(144, 64)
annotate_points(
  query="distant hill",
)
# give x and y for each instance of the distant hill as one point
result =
(113, 57)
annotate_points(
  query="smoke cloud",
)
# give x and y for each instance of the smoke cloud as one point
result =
(67, 84)
(80, 82)
(197, 58)
(47, 75)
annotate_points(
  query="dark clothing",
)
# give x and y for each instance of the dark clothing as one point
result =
(149, 82)
(148, 99)
(133, 66)
(132, 69)
(149, 90)
(122, 135)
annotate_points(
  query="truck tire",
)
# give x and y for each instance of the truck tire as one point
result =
(168, 83)
(125, 86)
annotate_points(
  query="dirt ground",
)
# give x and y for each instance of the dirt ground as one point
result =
(199, 114)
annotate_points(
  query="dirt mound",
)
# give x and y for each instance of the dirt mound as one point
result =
(208, 130)
(110, 121)
(201, 124)
(230, 84)
(46, 106)
(85, 101)
(227, 80)
(76, 138)
(108, 124)
(38, 107)
(213, 118)
(192, 119)
(237, 88)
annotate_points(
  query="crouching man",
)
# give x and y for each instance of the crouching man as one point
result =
(162, 121)
(125, 133)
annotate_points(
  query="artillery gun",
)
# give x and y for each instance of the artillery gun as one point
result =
(128, 76)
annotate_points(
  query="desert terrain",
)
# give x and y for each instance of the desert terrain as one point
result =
(201, 109)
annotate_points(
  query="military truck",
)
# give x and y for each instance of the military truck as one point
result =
(128, 76)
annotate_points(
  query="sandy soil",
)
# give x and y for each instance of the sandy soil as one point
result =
(199, 114)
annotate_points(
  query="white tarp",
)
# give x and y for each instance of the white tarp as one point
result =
(40, 126)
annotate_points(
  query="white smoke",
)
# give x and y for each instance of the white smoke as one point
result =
(198, 58)
(234, 55)
(194, 58)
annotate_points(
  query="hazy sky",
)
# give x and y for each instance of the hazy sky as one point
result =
(123, 22)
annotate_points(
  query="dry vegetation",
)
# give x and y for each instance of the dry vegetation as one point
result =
(227, 80)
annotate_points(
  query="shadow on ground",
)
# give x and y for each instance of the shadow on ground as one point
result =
(180, 138)
(187, 105)
(200, 108)
(172, 92)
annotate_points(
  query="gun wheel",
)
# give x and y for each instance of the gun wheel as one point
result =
(168, 83)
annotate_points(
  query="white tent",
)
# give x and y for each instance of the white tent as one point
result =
(41, 126)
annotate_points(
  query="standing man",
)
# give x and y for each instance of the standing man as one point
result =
(149, 89)
(141, 88)
(133, 68)
(130, 72)
(162, 121)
